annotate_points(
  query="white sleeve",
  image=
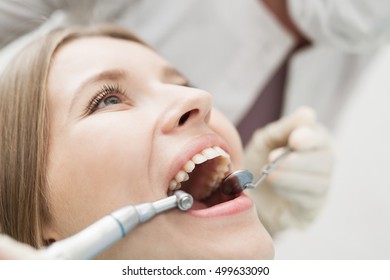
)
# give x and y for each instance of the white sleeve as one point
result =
(19, 17)
(352, 25)
(8, 52)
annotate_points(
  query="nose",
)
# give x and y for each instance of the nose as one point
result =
(186, 106)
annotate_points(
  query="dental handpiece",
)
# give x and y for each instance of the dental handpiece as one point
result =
(104, 233)
(240, 180)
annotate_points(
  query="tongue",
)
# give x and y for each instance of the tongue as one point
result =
(198, 205)
(214, 199)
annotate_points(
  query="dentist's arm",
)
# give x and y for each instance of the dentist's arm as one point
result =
(19, 17)
(350, 25)
(294, 193)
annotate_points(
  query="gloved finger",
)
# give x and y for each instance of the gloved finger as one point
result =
(318, 162)
(309, 137)
(276, 134)
(287, 183)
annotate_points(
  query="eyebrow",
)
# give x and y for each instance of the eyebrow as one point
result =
(112, 75)
(169, 72)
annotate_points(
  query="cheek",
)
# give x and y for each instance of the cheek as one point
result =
(225, 128)
(95, 168)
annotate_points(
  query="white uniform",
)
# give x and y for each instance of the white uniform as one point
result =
(197, 37)
(347, 35)
(240, 43)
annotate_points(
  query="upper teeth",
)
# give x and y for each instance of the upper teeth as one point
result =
(189, 166)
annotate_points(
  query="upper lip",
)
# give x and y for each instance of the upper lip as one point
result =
(193, 147)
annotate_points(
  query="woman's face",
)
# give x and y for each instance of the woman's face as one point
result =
(126, 129)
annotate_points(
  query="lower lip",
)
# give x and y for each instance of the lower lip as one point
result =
(228, 208)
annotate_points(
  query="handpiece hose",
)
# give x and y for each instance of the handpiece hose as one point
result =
(101, 235)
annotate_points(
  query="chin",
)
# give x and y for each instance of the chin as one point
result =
(239, 240)
(242, 237)
(250, 243)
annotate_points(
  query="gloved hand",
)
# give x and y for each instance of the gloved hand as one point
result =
(296, 189)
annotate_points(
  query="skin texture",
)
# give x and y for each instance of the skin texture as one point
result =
(121, 153)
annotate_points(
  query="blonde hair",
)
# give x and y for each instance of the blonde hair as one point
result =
(24, 131)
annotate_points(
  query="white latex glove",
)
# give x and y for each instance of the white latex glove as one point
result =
(295, 191)
(10, 249)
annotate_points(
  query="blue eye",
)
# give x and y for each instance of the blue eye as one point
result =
(110, 100)
(108, 95)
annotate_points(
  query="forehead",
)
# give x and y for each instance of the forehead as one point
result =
(100, 44)
(81, 58)
(100, 52)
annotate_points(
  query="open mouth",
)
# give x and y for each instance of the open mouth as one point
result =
(201, 177)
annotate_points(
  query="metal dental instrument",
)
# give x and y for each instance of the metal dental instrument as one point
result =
(240, 180)
(98, 237)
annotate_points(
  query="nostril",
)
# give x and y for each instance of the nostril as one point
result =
(186, 116)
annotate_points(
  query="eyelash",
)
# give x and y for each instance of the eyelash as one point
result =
(106, 90)
(109, 89)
